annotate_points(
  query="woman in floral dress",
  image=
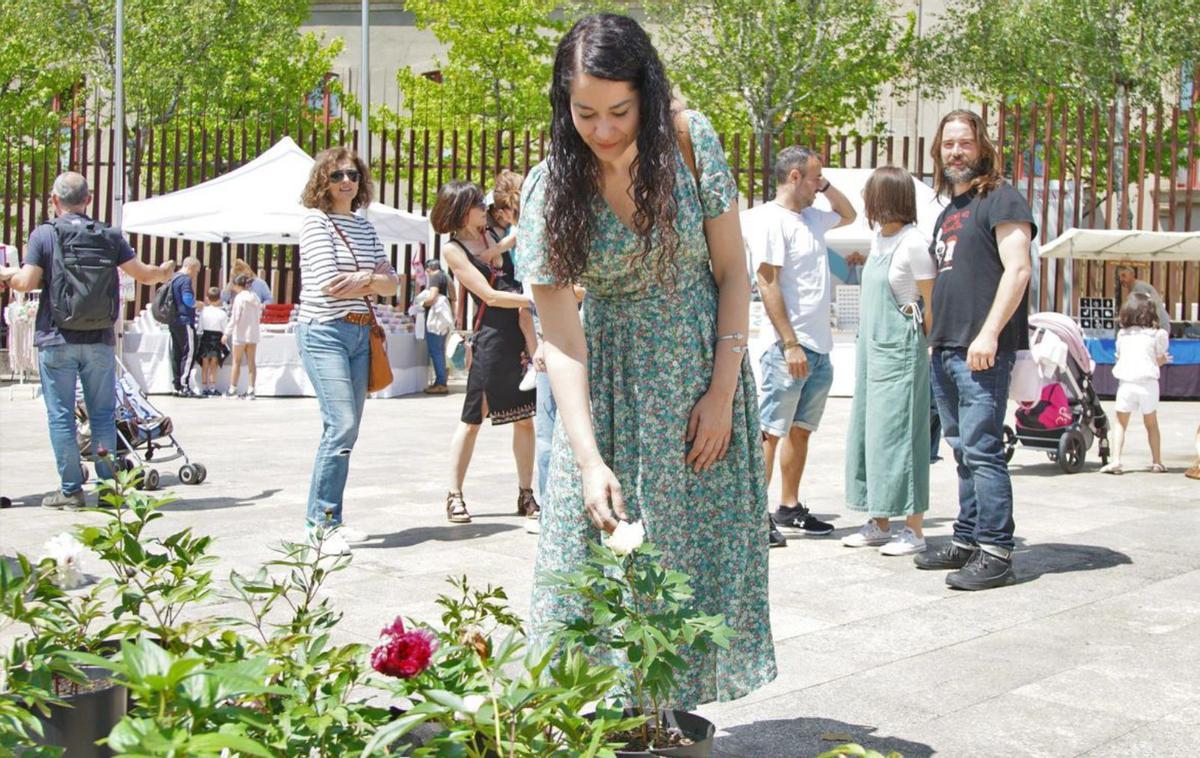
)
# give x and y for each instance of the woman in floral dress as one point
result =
(657, 415)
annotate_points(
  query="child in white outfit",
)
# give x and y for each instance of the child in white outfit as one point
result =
(242, 333)
(211, 353)
(1141, 350)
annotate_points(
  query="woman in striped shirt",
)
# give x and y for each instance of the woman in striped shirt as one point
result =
(341, 262)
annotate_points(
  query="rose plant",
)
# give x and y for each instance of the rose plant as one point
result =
(640, 613)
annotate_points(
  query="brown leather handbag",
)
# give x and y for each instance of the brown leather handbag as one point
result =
(379, 375)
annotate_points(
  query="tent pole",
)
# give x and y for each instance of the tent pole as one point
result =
(224, 263)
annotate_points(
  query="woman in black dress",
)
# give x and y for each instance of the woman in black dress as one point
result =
(496, 367)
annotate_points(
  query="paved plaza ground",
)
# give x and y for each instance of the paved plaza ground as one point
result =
(1096, 651)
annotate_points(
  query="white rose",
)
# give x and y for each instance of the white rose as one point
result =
(627, 537)
(67, 553)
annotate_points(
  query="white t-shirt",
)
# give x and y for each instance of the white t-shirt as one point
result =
(795, 242)
(1138, 350)
(911, 261)
(212, 318)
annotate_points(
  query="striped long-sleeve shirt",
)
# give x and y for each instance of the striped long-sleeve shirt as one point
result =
(323, 255)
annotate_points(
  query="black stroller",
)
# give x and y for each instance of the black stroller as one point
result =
(143, 435)
(1068, 417)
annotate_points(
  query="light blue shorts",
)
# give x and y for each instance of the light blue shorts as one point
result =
(784, 402)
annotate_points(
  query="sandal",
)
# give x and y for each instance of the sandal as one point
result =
(1158, 468)
(456, 509)
(527, 506)
(1112, 468)
(1193, 472)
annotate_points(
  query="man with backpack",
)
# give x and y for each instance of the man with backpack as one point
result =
(73, 260)
(175, 305)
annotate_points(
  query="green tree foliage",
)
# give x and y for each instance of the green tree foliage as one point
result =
(1092, 52)
(777, 65)
(496, 74)
(228, 59)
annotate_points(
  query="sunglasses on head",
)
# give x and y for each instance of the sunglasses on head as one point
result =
(341, 174)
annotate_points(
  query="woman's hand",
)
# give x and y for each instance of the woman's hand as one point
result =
(602, 497)
(709, 431)
(349, 284)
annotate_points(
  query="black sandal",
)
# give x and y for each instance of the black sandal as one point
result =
(456, 509)
(527, 506)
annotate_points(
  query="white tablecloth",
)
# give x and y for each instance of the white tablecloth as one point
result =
(280, 372)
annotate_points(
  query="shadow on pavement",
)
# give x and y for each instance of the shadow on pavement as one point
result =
(1033, 561)
(808, 737)
(185, 503)
(456, 533)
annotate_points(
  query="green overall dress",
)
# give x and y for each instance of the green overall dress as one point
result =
(887, 447)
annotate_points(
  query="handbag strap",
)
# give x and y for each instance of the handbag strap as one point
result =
(370, 308)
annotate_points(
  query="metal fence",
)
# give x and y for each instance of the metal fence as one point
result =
(1083, 167)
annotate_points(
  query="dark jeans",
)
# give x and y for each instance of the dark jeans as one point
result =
(183, 353)
(971, 405)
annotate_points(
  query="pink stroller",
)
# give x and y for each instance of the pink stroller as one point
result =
(1068, 417)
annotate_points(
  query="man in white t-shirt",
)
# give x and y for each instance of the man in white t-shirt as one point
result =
(785, 240)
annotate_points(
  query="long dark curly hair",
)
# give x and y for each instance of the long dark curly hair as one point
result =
(613, 47)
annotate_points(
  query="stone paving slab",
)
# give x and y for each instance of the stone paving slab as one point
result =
(1094, 652)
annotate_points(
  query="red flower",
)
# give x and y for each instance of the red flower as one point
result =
(403, 654)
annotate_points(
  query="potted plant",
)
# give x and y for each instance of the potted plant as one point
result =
(72, 705)
(484, 692)
(640, 613)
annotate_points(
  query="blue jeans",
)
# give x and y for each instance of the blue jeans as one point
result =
(95, 366)
(437, 354)
(337, 358)
(543, 425)
(971, 405)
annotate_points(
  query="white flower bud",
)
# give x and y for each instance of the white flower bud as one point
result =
(627, 537)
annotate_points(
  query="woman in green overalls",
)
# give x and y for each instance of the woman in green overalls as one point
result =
(887, 448)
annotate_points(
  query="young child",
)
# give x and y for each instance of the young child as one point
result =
(1141, 350)
(242, 333)
(211, 353)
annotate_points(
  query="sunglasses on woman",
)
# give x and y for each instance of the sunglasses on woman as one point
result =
(341, 174)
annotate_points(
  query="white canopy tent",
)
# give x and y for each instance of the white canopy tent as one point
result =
(258, 203)
(857, 236)
(1133, 245)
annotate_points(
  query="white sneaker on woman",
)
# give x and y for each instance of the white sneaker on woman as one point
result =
(869, 536)
(350, 534)
(332, 542)
(905, 543)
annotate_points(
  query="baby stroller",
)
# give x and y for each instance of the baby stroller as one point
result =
(1068, 417)
(143, 435)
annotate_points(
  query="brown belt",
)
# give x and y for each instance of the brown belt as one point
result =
(362, 319)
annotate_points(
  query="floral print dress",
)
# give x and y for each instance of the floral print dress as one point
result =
(650, 359)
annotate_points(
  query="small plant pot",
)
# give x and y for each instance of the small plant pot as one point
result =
(87, 717)
(699, 730)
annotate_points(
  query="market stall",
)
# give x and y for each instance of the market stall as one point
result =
(259, 203)
(1181, 377)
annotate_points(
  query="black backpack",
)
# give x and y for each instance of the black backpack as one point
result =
(83, 281)
(164, 308)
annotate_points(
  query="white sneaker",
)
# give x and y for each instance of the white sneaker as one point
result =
(905, 543)
(529, 381)
(250, 395)
(869, 536)
(350, 534)
(332, 544)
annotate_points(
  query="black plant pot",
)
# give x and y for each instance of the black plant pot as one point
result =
(696, 728)
(86, 718)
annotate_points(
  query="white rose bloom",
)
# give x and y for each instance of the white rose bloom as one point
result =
(627, 537)
(67, 553)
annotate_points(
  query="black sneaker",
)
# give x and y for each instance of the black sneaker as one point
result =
(777, 538)
(948, 556)
(797, 517)
(983, 572)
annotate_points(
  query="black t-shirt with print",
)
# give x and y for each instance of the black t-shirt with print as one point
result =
(969, 268)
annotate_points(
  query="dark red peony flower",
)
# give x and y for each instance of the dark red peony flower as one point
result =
(403, 654)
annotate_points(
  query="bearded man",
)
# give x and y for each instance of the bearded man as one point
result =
(980, 309)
